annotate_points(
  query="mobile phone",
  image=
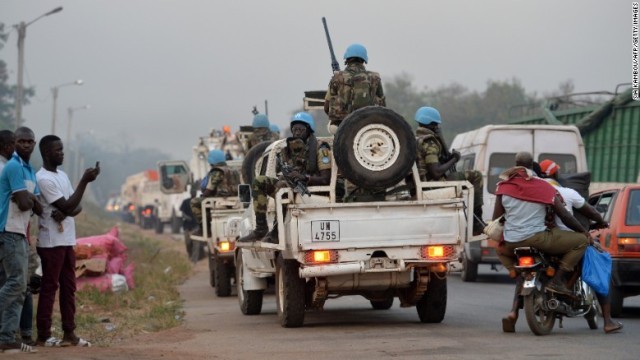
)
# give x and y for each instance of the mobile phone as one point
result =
(97, 164)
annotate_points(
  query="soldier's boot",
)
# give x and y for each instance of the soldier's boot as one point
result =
(478, 224)
(259, 232)
(272, 236)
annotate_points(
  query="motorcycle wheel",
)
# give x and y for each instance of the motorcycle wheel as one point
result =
(592, 317)
(540, 321)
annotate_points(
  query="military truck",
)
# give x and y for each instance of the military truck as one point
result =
(140, 192)
(397, 247)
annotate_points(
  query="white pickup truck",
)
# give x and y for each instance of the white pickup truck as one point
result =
(399, 247)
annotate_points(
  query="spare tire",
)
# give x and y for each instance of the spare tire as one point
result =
(249, 162)
(374, 147)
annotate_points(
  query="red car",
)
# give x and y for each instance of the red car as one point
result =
(620, 207)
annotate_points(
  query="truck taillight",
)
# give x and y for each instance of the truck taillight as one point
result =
(438, 252)
(320, 256)
(226, 245)
(628, 244)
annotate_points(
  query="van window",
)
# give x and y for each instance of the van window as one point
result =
(633, 208)
(567, 162)
(498, 162)
(466, 162)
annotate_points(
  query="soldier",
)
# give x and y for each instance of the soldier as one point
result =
(261, 130)
(433, 163)
(222, 181)
(311, 161)
(353, 88)
(275, 132)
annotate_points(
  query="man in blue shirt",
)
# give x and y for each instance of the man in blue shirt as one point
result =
(18, 190)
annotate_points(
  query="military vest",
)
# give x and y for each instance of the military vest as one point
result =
(356, 88)
(422, 153)
(230, 181)
(297, 154)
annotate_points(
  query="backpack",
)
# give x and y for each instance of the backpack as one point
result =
(355, 90)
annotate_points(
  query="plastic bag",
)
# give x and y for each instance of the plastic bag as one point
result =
(596, 270)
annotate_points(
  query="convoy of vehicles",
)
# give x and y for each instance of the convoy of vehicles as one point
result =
(138, 195)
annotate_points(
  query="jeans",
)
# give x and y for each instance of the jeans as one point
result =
(26, 317)
(14, 260)
(58, 269)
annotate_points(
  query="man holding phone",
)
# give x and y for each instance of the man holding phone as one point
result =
(56, 241)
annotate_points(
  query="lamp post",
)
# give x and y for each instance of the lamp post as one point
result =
(70, 112)
(54, 91)
(22, 33)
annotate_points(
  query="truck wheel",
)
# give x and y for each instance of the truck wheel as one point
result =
(176, 224)
(433, 304)
(249, 162)
(223, 277)
(616, 299)
(250, 300)
(158, 226)
(469, 269)
(374, 147)
(212, 270)
(382, 304)
(289, 293)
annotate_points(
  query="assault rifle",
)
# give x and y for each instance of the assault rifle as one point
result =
(445, 149)
(334, 62)
(296, 184)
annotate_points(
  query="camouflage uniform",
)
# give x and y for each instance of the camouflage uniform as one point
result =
(340, 94)
(259, 135)
(223, 182)
(296, 155)
(430, 151)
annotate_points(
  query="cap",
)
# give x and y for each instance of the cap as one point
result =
(549, 167)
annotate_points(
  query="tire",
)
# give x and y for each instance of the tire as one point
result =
(222, 277)
(176, 224)
(212, 270)
(540, 322)
(249, 162)
(250, 300)
(289, 293)
(374, 147)
(382, 304)
(433, 304)
(469, 269)
(158, 226)
(616, 299)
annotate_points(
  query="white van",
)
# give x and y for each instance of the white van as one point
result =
(491, 149)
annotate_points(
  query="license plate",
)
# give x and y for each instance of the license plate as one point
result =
(325, 230)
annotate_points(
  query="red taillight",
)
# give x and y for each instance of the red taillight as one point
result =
(226, 245)
(628, 244)
(438, 252)
(526, 261)
(132, 207)
(320, 256)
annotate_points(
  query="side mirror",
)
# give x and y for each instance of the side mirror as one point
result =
(244, 193)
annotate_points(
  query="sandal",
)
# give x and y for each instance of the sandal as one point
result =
(616, 328)
(52, 341)
(73, 340)
(508, 325)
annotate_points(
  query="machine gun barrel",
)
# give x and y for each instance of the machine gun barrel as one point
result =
(334, 62)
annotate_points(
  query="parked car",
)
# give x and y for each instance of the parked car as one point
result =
(621, 208)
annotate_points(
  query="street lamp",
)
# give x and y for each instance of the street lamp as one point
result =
(22, 33)
(70, 111)
(54, 90)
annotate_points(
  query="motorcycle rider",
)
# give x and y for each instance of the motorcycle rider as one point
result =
(311, 161)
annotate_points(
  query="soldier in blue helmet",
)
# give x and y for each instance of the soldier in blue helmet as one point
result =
(353, 88)
(311, 161)
(261, 131)
(434, 164)
(222, 181)
(275, 132)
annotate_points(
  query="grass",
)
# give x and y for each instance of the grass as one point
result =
(154, 304)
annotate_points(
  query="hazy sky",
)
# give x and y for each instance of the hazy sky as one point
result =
(160, 73)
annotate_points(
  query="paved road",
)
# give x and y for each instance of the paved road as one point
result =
(348, 327)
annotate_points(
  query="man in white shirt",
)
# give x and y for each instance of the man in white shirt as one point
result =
(56, 241)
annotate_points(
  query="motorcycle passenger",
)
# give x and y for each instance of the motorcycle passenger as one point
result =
(261, 131)
(311, 161)
(550, 172)
(433, 163)
(222, 181)
(525, 200)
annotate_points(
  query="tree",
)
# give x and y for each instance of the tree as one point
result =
(7, 92)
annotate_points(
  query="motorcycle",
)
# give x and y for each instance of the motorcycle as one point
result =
(542, 307)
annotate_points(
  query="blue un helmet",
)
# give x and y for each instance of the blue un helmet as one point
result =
(427, 115)
(358, 51)
(260, 121)
(274, 128)
(216, 156)
(305, 118)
